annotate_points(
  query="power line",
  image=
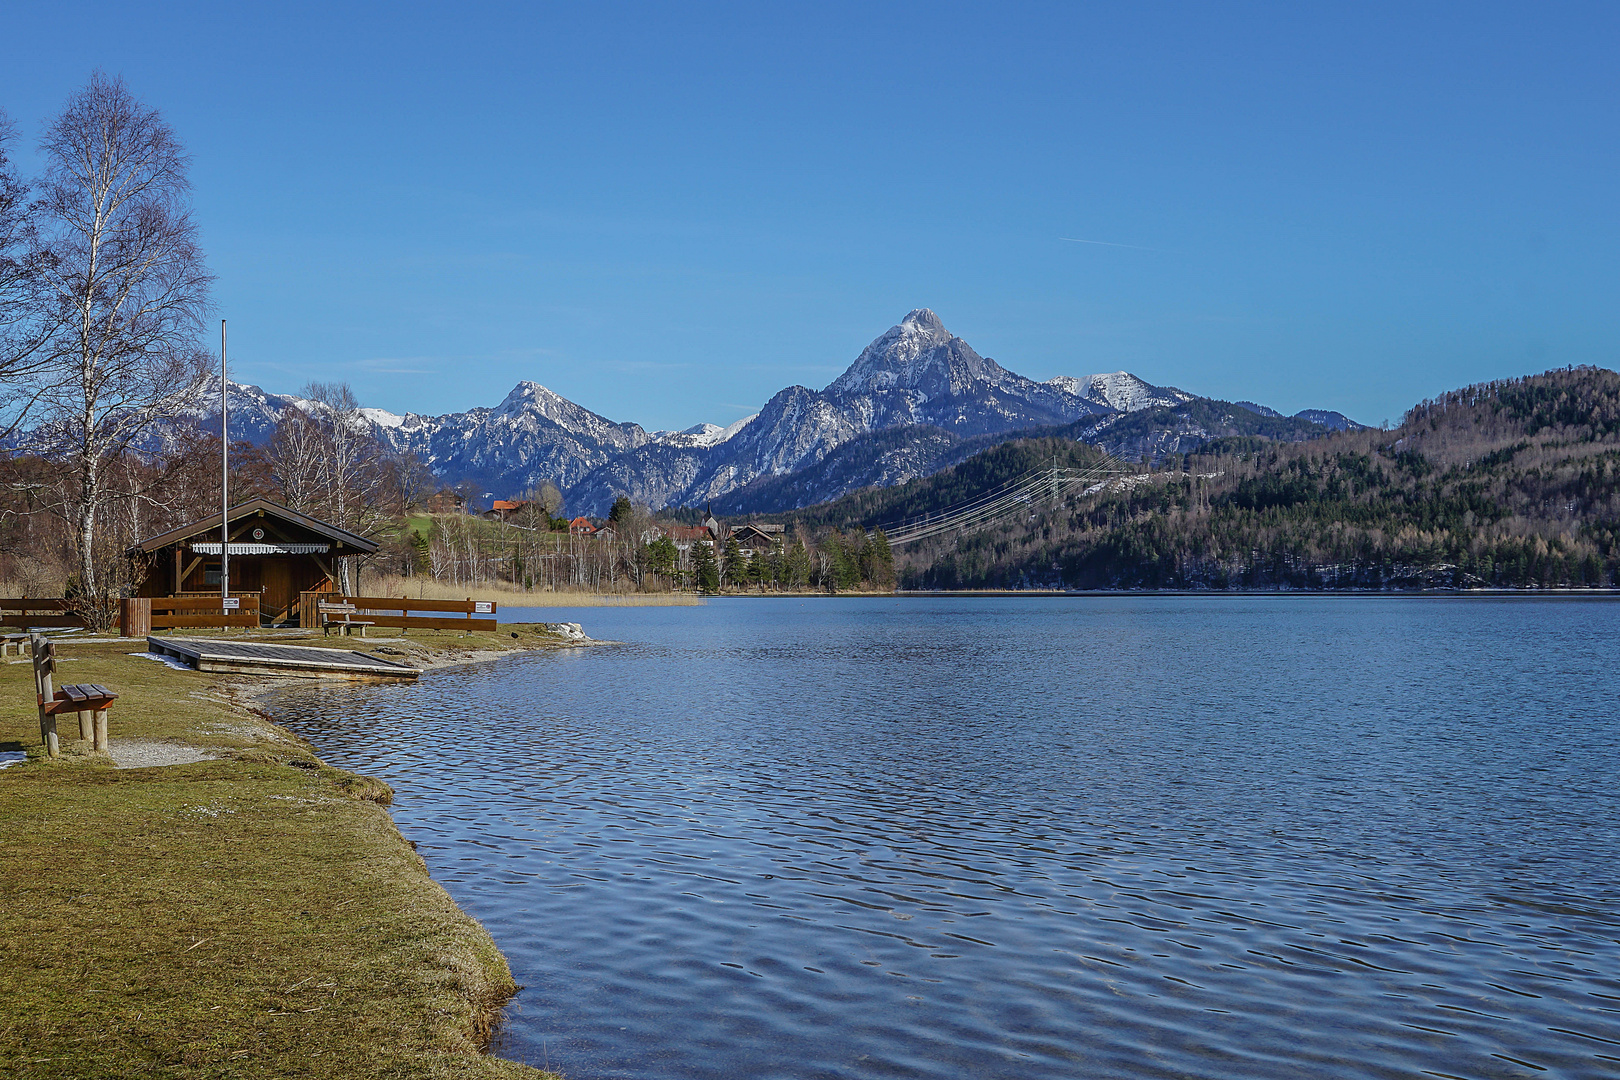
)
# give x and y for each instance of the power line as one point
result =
(1021, 493)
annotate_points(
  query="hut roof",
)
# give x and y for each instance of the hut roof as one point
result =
(252, 508)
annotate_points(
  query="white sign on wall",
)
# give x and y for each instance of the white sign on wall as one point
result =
(232, 603)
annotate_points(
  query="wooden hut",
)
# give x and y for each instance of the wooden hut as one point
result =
(275, 552)
(446, 501)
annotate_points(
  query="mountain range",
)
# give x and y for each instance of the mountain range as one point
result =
(916, 400)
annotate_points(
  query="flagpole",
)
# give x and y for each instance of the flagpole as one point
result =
(224, 476)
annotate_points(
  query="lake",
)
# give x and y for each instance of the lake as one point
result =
(1135, 836)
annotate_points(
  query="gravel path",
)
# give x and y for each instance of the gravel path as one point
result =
(145, 754)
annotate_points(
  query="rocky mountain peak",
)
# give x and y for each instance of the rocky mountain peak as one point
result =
(528, 394)
(903, 355)
(923, 320)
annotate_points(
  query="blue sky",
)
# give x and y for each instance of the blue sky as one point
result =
(667, 213)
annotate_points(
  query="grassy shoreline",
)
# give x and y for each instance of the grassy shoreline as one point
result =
(423, 588)
(257, 914)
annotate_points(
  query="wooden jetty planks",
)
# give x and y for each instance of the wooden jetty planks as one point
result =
(261, 658)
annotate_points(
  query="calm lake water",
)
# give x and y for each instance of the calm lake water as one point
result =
(1073, 837)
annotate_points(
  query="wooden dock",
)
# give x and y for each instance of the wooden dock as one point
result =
(259, 658)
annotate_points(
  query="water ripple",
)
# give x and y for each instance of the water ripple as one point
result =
(1144, 837)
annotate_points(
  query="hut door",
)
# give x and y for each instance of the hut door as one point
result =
(279, 594)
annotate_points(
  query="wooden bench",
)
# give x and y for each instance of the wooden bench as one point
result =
(327, 609)
(8, 640)
(90, 700)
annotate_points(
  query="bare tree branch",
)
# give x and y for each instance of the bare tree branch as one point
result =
(28, 318)
(131, 293)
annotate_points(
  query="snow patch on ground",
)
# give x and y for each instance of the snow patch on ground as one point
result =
(164, 658)
(1127, 483)
(12, 757)
(1118, 483)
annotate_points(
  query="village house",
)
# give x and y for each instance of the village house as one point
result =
(445, 501)
(759, 539)
(504, 509)
(752, 538)
(275, 552)
(684, 536)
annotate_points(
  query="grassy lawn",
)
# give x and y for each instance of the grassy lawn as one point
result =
(256, 915)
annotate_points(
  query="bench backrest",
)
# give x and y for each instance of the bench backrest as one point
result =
(336, 609)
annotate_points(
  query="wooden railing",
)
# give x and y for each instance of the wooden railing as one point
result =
(140, 615)
(38, 611)
(137, 615)
(377, 611)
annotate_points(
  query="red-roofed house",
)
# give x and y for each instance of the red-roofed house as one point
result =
(501, 509)
(685, 536)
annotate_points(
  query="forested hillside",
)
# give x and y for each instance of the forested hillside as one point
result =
(1505, 484)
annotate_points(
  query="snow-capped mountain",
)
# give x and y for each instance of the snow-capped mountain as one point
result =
(1121, 391)
(913, 397)
(532, 435)
(915, 375)
(702, 434)
(254, 412)
(920, 373)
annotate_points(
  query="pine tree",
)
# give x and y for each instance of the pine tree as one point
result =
(705, 571)
(662, 556)
(796, 566)
(841, 571)
(877, 561)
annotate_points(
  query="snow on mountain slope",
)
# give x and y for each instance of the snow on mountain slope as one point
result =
(915, 373)
(704, 435)
(382, 418)
(529, 401)
(254, 412)
(1121, 390)
(919, 372)
(902, 356)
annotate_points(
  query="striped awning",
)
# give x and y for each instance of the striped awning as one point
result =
(237, 548)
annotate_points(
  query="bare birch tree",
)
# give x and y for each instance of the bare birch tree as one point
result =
(131, 290)
(295, 453)
(350, 470)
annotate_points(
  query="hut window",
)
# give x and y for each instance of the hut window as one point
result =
(211, 574)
